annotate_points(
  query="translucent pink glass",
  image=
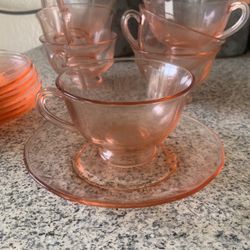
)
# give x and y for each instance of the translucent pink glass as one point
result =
(13, 67)
(107, 3)
(198, 150)
(199, 64)
(207, 16)
(62, 56)
(79, 20)
(124, 117)
(158, 34)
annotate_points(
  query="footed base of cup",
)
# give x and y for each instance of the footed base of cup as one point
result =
(128, 158)
(90, 165)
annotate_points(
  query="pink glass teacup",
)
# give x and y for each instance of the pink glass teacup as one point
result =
(206, 16)
(62, 56)
(124, 118)
(81, 24)
(199, 64)
(158, 34)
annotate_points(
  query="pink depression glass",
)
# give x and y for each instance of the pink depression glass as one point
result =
(62, 56)
(206, 16)
(158, 34)
(107, 3)
(199, 64)
(80, 22)
(124, 117)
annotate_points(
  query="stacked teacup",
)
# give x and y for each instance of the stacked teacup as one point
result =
(188, 33)
(76, 32)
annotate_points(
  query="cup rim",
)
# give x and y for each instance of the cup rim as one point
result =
(198, 54)
(38, 14)
(209, 2)
(126, 103)
(143, 9)
(43, 40)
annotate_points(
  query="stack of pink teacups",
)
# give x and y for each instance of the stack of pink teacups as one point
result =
(79, 32)
(188, 33)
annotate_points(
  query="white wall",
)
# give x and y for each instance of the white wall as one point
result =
(19, 32)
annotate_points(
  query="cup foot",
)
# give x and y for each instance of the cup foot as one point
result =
(88, 164)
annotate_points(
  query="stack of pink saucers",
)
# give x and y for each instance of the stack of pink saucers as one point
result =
(19, 84)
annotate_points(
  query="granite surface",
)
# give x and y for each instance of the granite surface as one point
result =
(217, 217)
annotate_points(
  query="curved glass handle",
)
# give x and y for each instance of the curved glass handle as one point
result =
(42, 96)
(240, 23)
(125, 29)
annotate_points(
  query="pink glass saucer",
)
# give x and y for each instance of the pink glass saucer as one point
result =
(199, 153)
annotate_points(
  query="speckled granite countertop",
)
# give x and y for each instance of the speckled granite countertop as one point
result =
(217, 217)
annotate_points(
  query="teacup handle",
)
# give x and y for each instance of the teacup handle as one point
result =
(240, 23)
(125, 29)
(42, 96)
